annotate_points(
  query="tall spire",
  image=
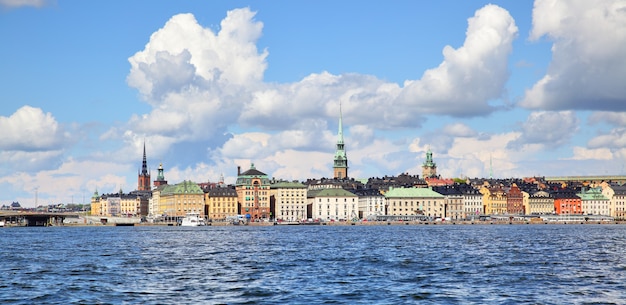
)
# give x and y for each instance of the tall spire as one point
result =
(144, 164)
(340, 166)
(143, 183)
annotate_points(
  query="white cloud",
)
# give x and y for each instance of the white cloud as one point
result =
(459, 130)
(550, 129)
(616, 138)
(582, 153)
(471, 76)
(588, 68)
(30, 129)
(614, 118)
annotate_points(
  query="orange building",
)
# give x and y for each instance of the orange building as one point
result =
(253, 193)
(567, 203)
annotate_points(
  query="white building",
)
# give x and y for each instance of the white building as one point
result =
(289, 199)
(334, 204)
(371, 203)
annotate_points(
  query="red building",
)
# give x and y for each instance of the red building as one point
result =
(515, 201)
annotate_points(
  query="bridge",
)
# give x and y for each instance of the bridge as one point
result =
(35, 219)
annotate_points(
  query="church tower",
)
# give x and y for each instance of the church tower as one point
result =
(340, 166)
(160, 180)
(143, 183)
(429, 168)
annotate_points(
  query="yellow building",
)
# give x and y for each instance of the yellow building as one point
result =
(119, 204)
(179, 199)
(221, 202)
(494, 200)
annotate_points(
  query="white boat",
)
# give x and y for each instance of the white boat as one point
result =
(1, 223)
(192, 220)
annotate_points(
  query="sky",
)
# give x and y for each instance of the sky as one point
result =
(492, 88)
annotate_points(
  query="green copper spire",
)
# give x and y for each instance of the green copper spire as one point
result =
(340, 165)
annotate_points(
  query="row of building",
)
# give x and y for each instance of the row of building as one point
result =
(260, 197)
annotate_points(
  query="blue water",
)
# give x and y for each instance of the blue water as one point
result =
(472, 264)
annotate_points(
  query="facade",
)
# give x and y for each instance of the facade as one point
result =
(119, 204)
(429, 168)
(340, 163)
(472, 202)
(143, 179)
(290, 199)
(179, 199)
(594, 202)
(494, 200)
(453, 202)
(221, 202)
(617, 200)
(253, 192)
(371, 203)
(515, 201)
(567, 203)
(414, 201)
(540, 203)
(334, 205)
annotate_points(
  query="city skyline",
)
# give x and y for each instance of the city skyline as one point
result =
(535, 89)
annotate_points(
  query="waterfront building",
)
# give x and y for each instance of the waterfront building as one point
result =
(253, 192)
(221, 201)
(290, 200)
(143, 179)
(119, 204)
(403, 180)
(515, 201)
(617, 199)
(494, 200)
(566, 202)
(429, 168)
(593, 202)
(371, 203)
(154, 206)
(472, 202)
(414, 201)
(179, 199)
(340, 163)
(540, 203)
(334, 204)
(96, 206)
(452, 200)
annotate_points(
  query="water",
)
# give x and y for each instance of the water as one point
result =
(473, 264)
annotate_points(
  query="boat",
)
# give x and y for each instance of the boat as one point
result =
(192, 220)
(1, 223)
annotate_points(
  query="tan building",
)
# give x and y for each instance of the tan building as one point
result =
(253, 192)
(221, 202)
(415, 201)
(540, 203)
(617, 199)
(290, 199)
(179, 199)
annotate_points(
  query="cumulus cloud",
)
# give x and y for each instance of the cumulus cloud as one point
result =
(459, 130)
(582, 153)
(549, 129)
(588, 68)
(471, 76)
(30, 129)
(614, 118)
(616, 138)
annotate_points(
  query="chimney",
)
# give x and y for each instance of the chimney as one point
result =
(238, 170)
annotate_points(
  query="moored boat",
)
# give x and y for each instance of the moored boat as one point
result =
(192, 220)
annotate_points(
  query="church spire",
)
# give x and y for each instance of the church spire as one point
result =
(143, 181)
(340, 166)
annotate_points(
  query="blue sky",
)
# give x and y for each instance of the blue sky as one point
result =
(537, 88)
